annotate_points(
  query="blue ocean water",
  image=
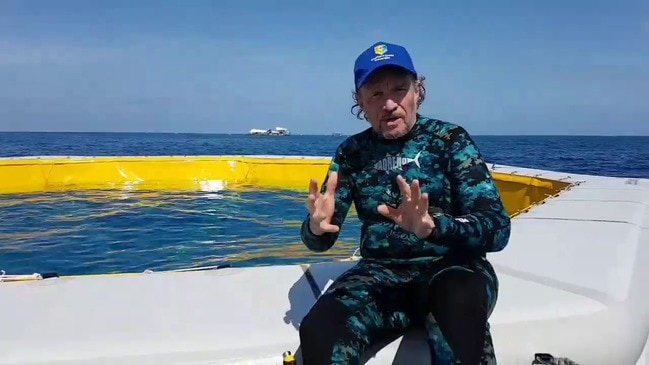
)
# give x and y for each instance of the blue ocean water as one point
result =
(612, 156)
(101, 232)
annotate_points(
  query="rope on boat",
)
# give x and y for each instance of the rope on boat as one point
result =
(4, 277)
(548, 359)
(200, 268)
(354, 257)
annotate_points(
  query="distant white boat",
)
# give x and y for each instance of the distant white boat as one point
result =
(278, 131)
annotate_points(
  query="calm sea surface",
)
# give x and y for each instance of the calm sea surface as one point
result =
(103, 232)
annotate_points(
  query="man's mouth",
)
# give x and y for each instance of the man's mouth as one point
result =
(391, 121)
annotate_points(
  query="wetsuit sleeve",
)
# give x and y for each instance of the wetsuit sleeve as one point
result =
(343, 203)
(480, 220)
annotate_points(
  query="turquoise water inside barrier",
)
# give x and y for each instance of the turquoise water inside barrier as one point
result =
(96, 232)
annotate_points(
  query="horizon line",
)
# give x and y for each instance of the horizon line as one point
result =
(309, 134)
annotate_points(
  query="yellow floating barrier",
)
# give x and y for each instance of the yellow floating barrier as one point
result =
(205, 173)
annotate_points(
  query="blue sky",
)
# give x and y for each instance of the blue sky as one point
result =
(222, 66)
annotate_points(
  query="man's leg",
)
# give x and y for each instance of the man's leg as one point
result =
(461, 301)
(362, 307)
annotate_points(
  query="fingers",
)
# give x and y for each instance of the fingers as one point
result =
(318, 215)
(415, 191)
(419, 199)
(317, 205)
(413, 196)
(313, 189)
(328, 227)
(332, 182)
(423, 208)
(403, 186)
(313, 196)
(388, 212)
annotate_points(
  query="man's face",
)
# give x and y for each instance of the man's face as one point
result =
(389, 99)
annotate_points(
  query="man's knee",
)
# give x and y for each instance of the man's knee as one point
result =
(459, 304)
(322, 328)
(460, 290)
(327, 312)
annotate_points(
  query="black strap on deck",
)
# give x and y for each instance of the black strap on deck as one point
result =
(312, 283)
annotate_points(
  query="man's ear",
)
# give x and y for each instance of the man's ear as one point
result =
(417, 85)
(357, 97)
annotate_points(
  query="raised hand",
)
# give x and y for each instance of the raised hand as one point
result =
(321, 207)
(412, 215)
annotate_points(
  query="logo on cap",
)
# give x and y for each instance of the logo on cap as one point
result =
(380, 49)
(381, 53)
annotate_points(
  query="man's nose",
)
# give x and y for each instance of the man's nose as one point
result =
(389, 105)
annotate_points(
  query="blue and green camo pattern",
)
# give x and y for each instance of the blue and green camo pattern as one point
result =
(466, 208)
(464, 202)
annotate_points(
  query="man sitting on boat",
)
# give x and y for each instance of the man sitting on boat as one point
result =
(430, 213)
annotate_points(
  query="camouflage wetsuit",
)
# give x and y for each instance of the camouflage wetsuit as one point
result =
(392, 286)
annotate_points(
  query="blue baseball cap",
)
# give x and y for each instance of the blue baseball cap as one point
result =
(378, 55)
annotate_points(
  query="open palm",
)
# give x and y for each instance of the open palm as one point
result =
(412, 214)
(321, 207)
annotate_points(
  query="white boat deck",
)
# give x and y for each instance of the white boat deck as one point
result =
(573, 282)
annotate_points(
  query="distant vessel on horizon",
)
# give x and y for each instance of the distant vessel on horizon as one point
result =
(278, 131)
